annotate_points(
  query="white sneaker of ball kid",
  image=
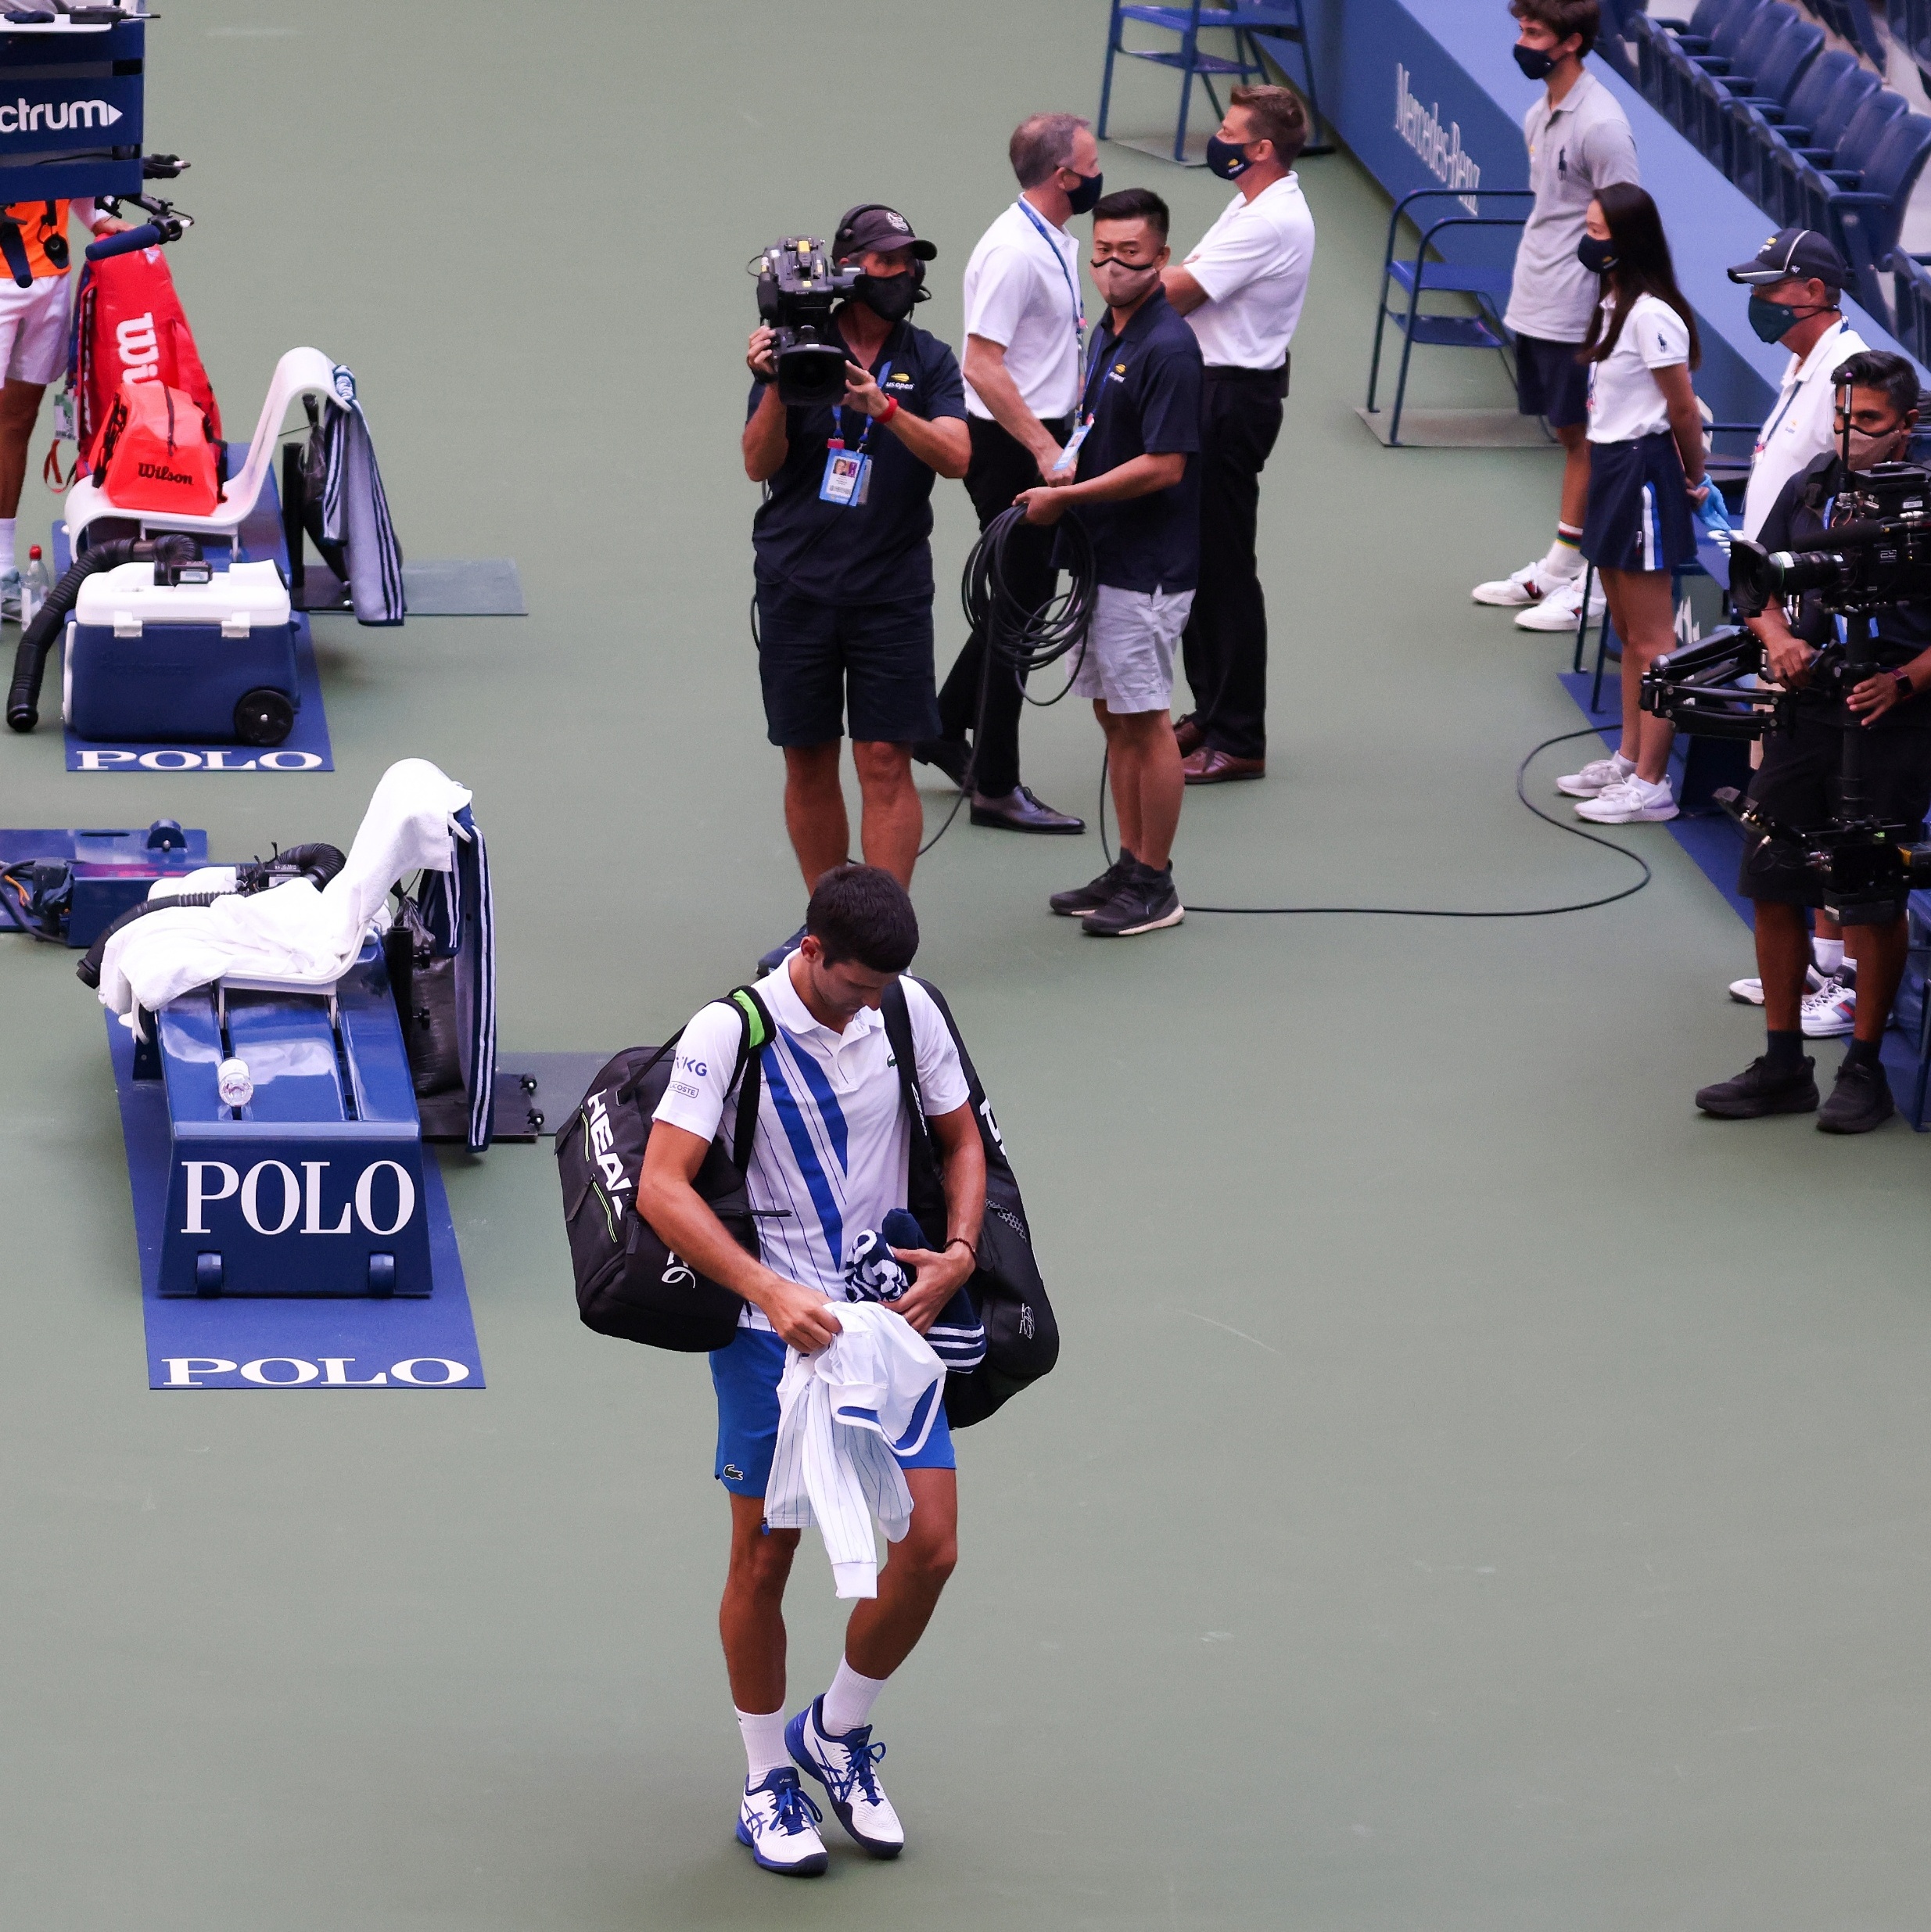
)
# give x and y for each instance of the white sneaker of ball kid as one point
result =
(1830, 1012)
(1598, 775)
(1529, 584)
(1751, 992)
(1560, 610)
(1632, 801)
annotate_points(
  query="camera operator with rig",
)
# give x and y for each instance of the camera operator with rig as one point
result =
(1799, 789)
(853, 413)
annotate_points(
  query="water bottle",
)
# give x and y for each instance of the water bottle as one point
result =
(36, 586)
(233, 1083)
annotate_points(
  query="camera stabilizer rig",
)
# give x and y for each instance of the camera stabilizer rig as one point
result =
(1877, 557)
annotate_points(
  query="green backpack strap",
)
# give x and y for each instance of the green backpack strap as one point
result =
(759, 1032)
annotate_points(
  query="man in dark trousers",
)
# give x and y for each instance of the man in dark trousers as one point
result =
(1024, 320)
(1241, 290)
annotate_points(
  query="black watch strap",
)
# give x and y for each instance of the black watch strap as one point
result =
(1904, 685)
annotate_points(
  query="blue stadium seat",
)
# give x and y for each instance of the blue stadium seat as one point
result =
(1913, 282)
(1756, 131)
(1849, 21)
(1862, 210)
(1791, 48)
(1683, 69)
(1911, 23)
(1799, 188)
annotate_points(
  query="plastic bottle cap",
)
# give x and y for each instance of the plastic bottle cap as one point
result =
(234, 1083)
(33, 550)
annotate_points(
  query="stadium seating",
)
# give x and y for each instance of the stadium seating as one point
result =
(1756, 132)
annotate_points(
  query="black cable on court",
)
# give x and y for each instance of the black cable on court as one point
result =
(1444, 912)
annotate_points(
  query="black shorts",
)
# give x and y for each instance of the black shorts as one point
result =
(1639, 517)
(1798, 785)
(1550, 382)
(815, 659)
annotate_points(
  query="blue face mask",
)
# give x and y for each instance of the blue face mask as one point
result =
(1598, 257)
(1227, 159)
(1534, 62)
(1083, 198)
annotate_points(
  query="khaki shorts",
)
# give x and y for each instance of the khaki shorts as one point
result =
(1128, 656)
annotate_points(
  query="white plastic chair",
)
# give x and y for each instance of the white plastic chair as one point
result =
(300, 372)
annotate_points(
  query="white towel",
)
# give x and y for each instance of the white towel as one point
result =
(292, 932)
(841, 1412)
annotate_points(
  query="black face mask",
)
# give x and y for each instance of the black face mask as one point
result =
(888, 297)
(1082, 200)
(1534, 62)
(1227, 159)
(1595, 256)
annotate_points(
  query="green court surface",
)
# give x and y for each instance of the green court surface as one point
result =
(1479, 1494)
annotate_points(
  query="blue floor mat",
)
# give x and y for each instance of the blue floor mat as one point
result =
(269, 1342)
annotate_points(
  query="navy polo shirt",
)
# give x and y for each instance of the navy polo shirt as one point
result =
(880, 549)
(1144, 390)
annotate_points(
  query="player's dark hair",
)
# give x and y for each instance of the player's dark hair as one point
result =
(859, 912)
(1878, 368)
(1134, 204)
(1642, 267)
(1562, 18)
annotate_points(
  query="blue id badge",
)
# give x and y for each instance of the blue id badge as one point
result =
(1070, 455)
(847, 477)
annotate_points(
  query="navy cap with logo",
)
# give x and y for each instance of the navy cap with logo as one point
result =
(873, 225)
(1801, 253)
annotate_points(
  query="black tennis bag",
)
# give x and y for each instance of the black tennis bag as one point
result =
(1022, 1339)
(628, 1283)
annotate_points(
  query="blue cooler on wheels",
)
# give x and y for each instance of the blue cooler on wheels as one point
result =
(210, 659)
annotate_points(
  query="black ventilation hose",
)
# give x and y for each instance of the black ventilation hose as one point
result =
(30, 661)
(318, 863)
(89, 970)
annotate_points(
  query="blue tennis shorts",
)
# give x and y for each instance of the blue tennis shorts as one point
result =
(1639, 515)
(746, 1377)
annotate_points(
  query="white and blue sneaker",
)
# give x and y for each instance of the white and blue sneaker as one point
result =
(10, 596)
(780, 1826)
(847, 1769)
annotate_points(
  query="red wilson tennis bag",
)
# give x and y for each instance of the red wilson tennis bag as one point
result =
(159, 453)
(129, 327)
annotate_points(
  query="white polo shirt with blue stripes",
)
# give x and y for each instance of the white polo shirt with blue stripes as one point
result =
(833, 1141)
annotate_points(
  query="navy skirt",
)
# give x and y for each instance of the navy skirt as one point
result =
(1639, 515)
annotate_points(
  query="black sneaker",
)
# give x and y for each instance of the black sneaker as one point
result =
(1861, 1100)
(1762, 1089)
(1083, 900)
(1145, 903)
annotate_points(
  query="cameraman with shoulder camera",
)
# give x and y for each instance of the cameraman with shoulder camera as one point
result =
(844, 552)
(1798, 786)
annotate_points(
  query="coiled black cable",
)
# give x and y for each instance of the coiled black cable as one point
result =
(1020, 640)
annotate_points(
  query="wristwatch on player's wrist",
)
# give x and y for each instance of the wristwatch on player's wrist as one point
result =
(1903, 680)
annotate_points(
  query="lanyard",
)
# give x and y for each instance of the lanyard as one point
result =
(837, 413)
(1093, 369)
(1079, 308)
(1796, 389)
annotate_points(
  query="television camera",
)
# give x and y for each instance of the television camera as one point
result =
(798, 286)
(1877, 555)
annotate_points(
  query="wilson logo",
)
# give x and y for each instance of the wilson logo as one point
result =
(139, 350)
(25, 117)
(160, 473)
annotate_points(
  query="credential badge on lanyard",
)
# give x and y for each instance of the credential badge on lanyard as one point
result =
(848, 473)
(1072, 288)
(1070, 455)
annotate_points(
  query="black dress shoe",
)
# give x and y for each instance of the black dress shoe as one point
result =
(950, 755)
(1019, 811)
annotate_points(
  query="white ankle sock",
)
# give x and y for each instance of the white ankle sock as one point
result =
(848, 1704)
(1624, 767)
(7, 524)
(764, 1743)
(1829, 955)
(1562, 561)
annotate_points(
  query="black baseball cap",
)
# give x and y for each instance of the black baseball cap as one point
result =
(1799, 253)
(871, 225)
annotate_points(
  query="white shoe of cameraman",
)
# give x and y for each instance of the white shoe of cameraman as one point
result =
(1561, 608)
(1751, 992)
(1597, 776)
(1529, 584)
(1630, 801)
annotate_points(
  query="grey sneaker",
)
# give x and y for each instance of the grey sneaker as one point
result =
(1081, 900)
(1146, 902)
(1861, 1100)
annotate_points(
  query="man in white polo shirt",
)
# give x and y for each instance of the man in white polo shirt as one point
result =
(1579, 140)
(1024, 319)
(829, 1160)
(1241, 291)
(1795, 282)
